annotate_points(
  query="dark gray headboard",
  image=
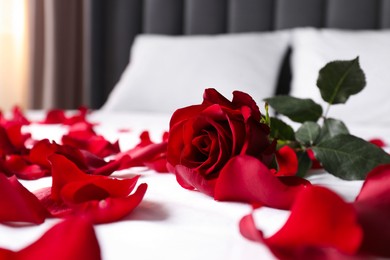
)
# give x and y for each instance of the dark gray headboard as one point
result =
(115, 23)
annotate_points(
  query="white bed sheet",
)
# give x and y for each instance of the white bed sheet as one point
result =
(171, 222)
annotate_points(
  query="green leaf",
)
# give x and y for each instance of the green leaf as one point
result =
(349, 157)
(304, 163)
(308, 133)
(297, 109)
(280, 130)
(338, 80)
(331, 128)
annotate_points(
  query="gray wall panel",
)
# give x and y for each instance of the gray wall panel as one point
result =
(299, 13)
(205, 16)
(385, 14)
(353, 14)
(163, 17)
(250, 15)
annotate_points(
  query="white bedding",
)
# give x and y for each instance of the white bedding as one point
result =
(171, 222)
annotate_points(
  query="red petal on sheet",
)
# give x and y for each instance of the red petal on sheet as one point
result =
(378, 142)
(321, 226)
(319, 218)
(73, 238)
(159, 165)
(7, 254)
(57, 208)
(109, 167)
(79, 116)
(18, 204)
(55, 116)
(19, 117)
(63, 172)
(141, 155)
(40, 152)
(373, 207)
(12, 140)
(90, 141)
(43, 149)
(111, 209)
(244, 178)
(97, 189)
(23, 169)
(249, 231)
(287, 161)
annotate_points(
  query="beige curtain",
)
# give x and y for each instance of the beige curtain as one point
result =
(58, 57)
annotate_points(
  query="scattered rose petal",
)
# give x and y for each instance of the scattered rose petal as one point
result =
(112, 209)
(17, 204)
(12, 140)
(315, 163)
(244, 178)
(147, 153)
(378, 142)
(54, 116)
(19, 117)
(100, 198)
(23, 169)
(58, 116)
(82, 136)
(73, 238)
(320, 223)
(373, 207)
(287, 161)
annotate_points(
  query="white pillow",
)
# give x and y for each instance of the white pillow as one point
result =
(169, 72)
(313, 48)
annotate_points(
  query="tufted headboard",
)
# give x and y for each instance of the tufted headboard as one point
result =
(115, 23)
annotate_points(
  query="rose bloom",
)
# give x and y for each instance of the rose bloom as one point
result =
(204, 137)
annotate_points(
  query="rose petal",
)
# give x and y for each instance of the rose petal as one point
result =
(241, 99)
(287, 161)
(97, 189)
(64, 171)
(18, 204)
(378, 142)
(319, 217)
(74, 238)
(159, 164)
(190, 179)
(90, 141)
(185, 113)
(111, 209)
(373, 207)
(109, 167)
(321, 224)
(23, 169)
(57, 208)
(212, 96)
(19, 117)
(141, 155)
(248, 229)
(12, 140)
(55, 116)
(244, 178)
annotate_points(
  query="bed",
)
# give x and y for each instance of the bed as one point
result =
(172, 222)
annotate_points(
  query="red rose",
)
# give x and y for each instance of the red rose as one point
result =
(203, 138)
